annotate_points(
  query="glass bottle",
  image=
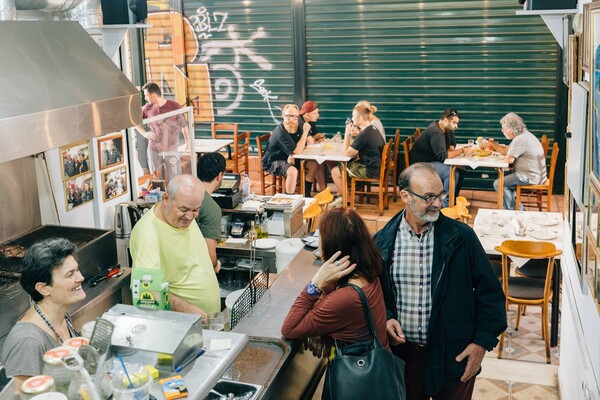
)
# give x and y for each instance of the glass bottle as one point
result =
(264, 227)
(37, 385)
(54, 367)
(252, 232)
(257, 225)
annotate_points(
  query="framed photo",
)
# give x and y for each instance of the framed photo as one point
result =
(594, 113)
(586, 38)
(78, 191)
(114, 183)
(572, 59)
(75, 159)
(110, 151)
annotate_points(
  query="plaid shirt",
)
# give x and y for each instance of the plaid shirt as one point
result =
(411, 277)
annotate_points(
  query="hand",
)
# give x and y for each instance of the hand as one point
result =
(151, 136)
(474, 353)
(468, 151)
(310, 140)
(217, 267)
(395, 332)
(318, 346)
(332, 271)
(291, 160)
(306, 127)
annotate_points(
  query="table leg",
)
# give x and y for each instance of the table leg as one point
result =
(500, 188)
(302, 177)
(556, 278)
(345, 185)
(451, 189)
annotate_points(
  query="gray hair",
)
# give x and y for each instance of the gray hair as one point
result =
(413, 169)
(182, 182)
(513, 123)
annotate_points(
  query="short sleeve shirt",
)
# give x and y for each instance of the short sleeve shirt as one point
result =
(209, 219)
(369, 144)
(281, 145)
(169, 126)
(530, 160)
(24, 348)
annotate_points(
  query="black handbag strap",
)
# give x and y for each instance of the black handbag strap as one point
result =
(367, 311)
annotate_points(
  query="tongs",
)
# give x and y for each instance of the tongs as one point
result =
(99, 278)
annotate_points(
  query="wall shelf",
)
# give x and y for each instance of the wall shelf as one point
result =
(554, 20)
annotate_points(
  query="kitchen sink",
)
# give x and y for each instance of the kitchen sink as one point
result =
(240, 391)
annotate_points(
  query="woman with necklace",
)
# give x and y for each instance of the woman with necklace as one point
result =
(51, 277)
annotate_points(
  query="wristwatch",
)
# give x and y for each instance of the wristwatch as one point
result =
(312, 289)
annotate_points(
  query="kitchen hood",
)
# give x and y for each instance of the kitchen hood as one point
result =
(58, 87)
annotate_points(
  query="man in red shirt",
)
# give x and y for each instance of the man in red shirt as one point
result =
(163, 137)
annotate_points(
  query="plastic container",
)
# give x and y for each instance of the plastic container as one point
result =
(87, 329)
(140, 378)
(37, 385)
(54, 367)
(76, 342)
(285, 251)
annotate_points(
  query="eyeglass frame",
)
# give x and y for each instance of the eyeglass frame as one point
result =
(429, 200)
(288, 116)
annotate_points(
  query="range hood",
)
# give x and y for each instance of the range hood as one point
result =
(58, 87)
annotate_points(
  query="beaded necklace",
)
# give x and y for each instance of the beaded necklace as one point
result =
(70, 326)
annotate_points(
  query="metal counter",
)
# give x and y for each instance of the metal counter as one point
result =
(300, 373)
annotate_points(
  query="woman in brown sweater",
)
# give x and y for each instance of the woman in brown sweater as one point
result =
(324, 309)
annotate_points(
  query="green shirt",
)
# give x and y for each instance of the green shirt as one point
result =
(209, 219)
(182, 255)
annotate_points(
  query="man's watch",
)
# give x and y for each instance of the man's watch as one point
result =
(312, 289)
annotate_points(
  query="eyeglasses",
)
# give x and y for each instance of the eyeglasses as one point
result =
(431, 198)
(452, 113)
(290, 116)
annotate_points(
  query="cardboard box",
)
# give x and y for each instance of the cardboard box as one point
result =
(148, 289)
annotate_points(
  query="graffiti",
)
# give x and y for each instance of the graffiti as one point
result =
(229, 83)
(266, 95)
(203, 25)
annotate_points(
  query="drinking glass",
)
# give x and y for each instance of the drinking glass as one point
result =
(216, 321)
(493, 221)
(140, 378)
(471, 142)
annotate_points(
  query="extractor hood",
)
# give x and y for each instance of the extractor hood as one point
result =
(58, 87)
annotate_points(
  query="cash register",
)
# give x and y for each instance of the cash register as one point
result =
(229, 194)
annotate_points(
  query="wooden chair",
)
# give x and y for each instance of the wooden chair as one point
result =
(524, 291)
(462, 200)
(538, 190)
(407, 146)
(277, 182)
(324, 198)
(382, 180)
(545, 144)
(238, 164)
(394, 165)
(458, 212)
(417, 134)
(310, 214)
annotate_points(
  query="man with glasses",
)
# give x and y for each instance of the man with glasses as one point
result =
(445, 306)
(436, 144)
(285, 141)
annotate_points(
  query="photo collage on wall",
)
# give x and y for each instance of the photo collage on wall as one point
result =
(78, 186)
(111, 159)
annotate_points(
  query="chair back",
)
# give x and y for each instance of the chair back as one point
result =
(386, 154)
(545, 144)
(224, 131)
(396, 147)
(241, 154)
(324, 198)
(417, 133)
(407, 146)
(553, 160)
(528, 249)
(310, 214)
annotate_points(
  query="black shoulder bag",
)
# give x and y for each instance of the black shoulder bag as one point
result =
(364, 370)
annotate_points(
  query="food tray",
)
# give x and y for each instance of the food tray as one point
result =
(261, 360)
(255, 290)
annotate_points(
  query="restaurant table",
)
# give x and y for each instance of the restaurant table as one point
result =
(208, 145)
(326, 151)
(494, 160)
(495, 226)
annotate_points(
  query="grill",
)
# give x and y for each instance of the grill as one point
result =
(96, 253)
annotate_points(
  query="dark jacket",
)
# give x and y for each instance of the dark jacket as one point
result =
(468, 304)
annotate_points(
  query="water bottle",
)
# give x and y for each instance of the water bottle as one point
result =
(245, 187)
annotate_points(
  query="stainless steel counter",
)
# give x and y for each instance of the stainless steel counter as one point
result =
(203, 374)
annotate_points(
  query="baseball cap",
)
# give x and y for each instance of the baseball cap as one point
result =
(308, 107)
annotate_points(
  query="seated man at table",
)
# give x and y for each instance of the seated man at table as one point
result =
(210, 170)
(367, 145)
(525, 153)
(309, 114)
(167, 238)
(285, 141)
(436, 144)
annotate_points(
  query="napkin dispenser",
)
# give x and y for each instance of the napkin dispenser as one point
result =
(170, 336)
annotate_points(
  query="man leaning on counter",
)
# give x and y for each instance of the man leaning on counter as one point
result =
(167, 238)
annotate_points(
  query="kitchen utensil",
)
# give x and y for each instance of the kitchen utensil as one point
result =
(102, 335)
(97, 279)
(126, 216)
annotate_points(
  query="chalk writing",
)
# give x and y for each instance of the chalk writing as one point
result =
(203, 24)
(266, 95)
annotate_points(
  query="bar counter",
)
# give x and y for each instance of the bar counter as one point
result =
(301, 371)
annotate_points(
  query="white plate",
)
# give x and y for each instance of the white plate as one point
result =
(545, 222)
(543, 235)
(266, 243)
(311, 241)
